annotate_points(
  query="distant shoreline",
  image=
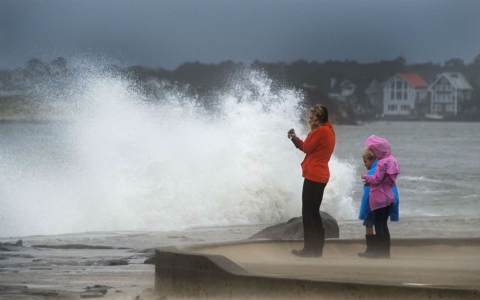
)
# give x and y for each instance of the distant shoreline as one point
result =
(31, 121)
(9, 120)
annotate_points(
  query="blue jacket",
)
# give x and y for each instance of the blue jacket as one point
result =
(365, 207)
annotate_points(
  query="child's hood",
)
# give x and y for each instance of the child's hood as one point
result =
(384, 154)
(380, 146)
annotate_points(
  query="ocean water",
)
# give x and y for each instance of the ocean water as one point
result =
(439, 164)
(121, 162)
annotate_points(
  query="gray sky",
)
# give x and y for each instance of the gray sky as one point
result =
(166, 34)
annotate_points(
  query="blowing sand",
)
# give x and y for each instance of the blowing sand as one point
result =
(428, 265)
(32, 272)
(418, 269)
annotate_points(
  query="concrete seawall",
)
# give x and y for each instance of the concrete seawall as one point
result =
(418, 269)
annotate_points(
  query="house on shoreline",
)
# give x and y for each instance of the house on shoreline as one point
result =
(408, 96)
(448, 92)
(404, 94)
(354, 94)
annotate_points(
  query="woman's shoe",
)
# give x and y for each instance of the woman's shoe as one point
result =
(307, 253)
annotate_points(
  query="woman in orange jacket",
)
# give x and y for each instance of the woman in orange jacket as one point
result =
(318, 147)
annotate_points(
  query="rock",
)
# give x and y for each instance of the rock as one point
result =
(96, 291)
(99, 286)
(105, 262)
(145, 253)
(113, 262)
(10, 246)
(68, 296)
(150, 260)
(10, 289)
(75, 246)
(19, 243)
(293, 229)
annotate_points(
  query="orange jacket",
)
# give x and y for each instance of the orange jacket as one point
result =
(318, 147)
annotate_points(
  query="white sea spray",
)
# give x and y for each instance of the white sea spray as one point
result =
(168, 164)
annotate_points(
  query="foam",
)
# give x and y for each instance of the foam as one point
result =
(168, 163)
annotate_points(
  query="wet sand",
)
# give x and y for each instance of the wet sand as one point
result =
(106, 265)
(69, 273)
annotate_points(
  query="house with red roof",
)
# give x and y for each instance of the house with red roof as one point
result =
(402, 92)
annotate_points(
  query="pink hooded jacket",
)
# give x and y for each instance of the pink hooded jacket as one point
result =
(386, 173)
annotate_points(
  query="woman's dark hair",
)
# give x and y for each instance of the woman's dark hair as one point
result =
(321, 112)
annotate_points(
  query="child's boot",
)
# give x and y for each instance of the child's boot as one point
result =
(383, 247)
(379, 248)
(370, 239)
(387, 246)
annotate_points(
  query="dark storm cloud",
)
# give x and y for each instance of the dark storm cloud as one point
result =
(168, 33)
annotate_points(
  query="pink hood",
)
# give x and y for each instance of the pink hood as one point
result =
(382, 150)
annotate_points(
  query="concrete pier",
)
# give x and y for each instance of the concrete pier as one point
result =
(418, 269)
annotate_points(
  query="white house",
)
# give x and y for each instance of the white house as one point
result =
(401, 92)
(448, 92)
(341, 91)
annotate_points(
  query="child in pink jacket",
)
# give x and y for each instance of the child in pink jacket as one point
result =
(381, 194)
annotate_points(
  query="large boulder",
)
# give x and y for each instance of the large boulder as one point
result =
(293, 229)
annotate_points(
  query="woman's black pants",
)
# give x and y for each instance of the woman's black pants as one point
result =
(312, 196)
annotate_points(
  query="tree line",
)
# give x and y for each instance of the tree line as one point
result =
(312, 78)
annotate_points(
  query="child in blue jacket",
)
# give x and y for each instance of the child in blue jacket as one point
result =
(366, 214)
